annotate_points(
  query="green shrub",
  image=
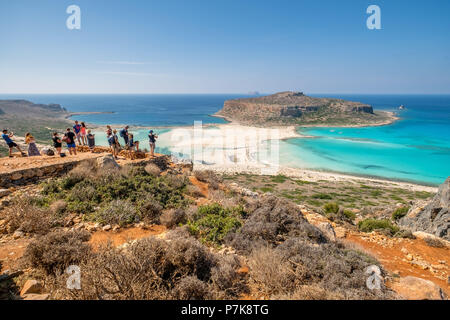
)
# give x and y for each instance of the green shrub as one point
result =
(369, 225)
(400, 213)
(119, 212)
(349, 214)
(331, 207)
(322, 196)
(279, 179)
(211, 223)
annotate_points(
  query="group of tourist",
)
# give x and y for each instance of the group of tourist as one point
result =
(84, 137)
(130, 144)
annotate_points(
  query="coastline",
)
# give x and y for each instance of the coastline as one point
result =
(274, 133)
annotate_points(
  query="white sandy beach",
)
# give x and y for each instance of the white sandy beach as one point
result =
(233, 148)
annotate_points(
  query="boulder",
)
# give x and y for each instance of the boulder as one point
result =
(107, 162)
(16, 176)
(31, 287)
(328, 230)
(4, 192)
(433, 217)
(413, 288)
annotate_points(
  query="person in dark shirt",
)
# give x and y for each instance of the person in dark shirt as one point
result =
(124, 134)
(91, 140)
(57, 143)
(132, 145)
(152, 140)
(11, 144)
(69, 138)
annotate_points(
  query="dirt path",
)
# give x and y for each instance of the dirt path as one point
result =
(11, 252)
(100, 238)
(407, 257)
(19, 163)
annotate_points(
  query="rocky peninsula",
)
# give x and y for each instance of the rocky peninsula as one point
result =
(295, 108)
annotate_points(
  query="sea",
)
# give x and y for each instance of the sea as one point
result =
(415, 149)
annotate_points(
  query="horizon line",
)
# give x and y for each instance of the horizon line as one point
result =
(211, 93)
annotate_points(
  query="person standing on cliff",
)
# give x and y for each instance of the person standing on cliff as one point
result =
(11, 144)
(69, 138)
(152, 141)
(77, 130)
(124, 134)
(57, 143)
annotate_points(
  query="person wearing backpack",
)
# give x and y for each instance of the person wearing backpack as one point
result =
(113, 141)
(124, 134)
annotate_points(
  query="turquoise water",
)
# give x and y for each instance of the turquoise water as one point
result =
(416, 148)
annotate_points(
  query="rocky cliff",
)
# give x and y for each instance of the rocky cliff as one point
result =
(24, 108)
(296, 108)
(432, 217)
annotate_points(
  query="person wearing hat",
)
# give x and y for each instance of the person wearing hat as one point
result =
(152, 140)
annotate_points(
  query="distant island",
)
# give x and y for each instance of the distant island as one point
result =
(295, 108)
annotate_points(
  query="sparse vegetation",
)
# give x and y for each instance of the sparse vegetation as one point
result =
(369, 225)
(54, 252)
(433, 242)
(117, 196)
(212, 223)
(399, 213)
(152, 269)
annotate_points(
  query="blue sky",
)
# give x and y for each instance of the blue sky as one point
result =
(224, 46)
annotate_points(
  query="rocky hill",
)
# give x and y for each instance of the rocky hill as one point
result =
(288, 108)
(22, 116)
(433, 216)
(24, 108)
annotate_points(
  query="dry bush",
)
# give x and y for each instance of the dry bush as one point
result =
(119, 212)
(227, 200)
(335, 270)
(273, 220)
(209, 177)
(150, 210)
(152, 169)
(194, 191)
(152, 269)
(58, 207)
(54, 252)
(309, 292)
(190, 288)
(173, 217)
(269, 273)
(23, 216)
(84, 170)
(176, 181)
(433, 242)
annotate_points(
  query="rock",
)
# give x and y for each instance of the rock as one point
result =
(413, 288)
(328, 230)
(341, 232)
(31, 286)
(33, 296)
(107, 161)
(4, 192)
(18, 234)
(409, 257)
(16, 176)
(434, 218)
(107, 227)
